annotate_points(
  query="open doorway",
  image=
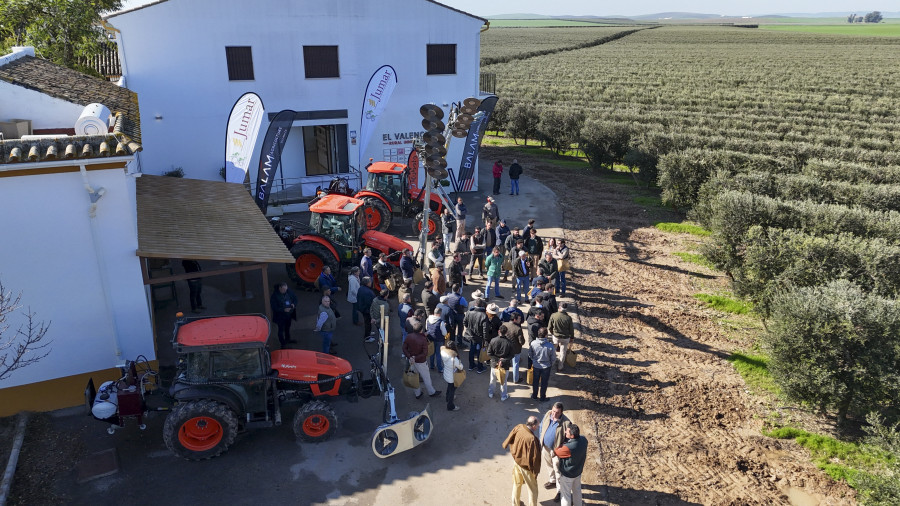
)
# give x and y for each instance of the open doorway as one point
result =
(325, 149)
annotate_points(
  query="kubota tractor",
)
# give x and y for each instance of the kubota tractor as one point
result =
(392, 190)
(337, 236)
(226, 381)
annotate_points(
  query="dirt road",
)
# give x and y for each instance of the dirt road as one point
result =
(671, 420)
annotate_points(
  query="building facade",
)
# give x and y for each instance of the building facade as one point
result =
(189, 60)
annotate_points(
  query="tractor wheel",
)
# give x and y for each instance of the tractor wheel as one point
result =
(200, 429)
(434, 225)
(315, 422)
(378, 217)
(311, 257)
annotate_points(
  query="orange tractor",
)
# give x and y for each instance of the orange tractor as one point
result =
(336, 236)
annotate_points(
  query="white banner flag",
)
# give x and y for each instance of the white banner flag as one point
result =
(378, 92)
(240, 138)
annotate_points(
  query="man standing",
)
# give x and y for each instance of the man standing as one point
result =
(515, 170)
(490, 212)
(521, 269)
(563, 331)
(543, 355)
(449, 228)
(476, 247)
(572, 456)
(415, 348)
(460, 218)
(284, 306)
(473, 330)
(436, 330)
(364, 298)
(353, 283)
(325, 323)
(497, 171)
(407, 265)
(195, 285)
(365, 264)
(552, 435)
(404, 310)
(458, 305)
(535, 247)
(517, 341)
(493, 264)
(455, 270)
(525, 450)
(380, 307)
(501, 351)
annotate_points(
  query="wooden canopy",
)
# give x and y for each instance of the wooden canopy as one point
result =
(203, 220)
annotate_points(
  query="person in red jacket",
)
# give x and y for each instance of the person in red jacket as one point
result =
(498, 171)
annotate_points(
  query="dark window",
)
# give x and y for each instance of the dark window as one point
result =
(240, 63)
(441, 59)
(321, 61)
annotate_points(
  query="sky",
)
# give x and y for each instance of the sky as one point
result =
(639, 7)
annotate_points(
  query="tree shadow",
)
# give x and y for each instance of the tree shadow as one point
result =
(594, 494)
(673, 268)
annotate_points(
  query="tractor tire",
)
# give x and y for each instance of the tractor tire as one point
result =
(310, 258)
(315, 422)
(200, 429)
(378, 217)
(434, 226)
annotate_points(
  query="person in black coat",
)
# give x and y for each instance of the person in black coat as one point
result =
(284, 309)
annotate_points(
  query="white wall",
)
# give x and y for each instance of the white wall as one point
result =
(175, 59)
(48, 254)
(43, 110)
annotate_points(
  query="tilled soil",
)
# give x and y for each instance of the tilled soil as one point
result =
(672, 422)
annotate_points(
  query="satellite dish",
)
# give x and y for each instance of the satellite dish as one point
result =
(431, 111)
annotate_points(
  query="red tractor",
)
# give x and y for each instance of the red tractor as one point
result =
(227, 381)
(392, 190)
(336, 236)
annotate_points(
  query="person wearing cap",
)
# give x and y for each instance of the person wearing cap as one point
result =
(460, 209)
(476, 247)
(497, 171)
(473, 330)
(500, 349)
(525, 448)
(490, 212)
(438, 280)
(494, 265)
(521, 269)
(515, 170)
(447, 313)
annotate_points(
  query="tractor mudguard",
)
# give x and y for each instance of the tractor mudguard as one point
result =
(385, 243)
(319, 239)
(182, 393)
(367, 193)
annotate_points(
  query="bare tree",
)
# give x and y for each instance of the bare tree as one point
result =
(25, 346)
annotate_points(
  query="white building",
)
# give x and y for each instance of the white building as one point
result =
(68, 235)
(189, 60)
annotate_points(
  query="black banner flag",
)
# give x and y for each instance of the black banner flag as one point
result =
(270, 156)
(473, 144)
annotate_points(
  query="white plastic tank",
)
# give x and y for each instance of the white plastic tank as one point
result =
(105, 408)
(94, 120)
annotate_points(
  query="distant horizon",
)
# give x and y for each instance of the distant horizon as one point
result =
(562, 8)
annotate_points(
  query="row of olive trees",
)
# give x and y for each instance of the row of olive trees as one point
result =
(602, 142)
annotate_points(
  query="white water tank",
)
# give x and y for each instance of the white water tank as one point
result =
(94, 120)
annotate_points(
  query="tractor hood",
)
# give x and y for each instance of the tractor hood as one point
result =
(384, 242)
(305, 365)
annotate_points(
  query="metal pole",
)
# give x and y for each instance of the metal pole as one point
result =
(385, 321)
(426, 209)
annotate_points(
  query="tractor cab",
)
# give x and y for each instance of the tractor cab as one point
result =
(340, 219)
(390, 180)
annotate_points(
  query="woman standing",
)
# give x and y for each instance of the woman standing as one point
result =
(450, 356)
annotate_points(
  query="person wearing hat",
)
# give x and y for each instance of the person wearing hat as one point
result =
(491, 323)
(515, 170)
(490, 212)
(500, 350)
(438, 280)
(497, 171)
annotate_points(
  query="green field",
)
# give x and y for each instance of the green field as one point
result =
(540, 23)
(860, 29)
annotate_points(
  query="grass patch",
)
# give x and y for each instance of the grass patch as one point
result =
(859, 29)
(682, 228)
(725, 303)
(755, 371)
(839, 459)
(648, 201)
(695, 258)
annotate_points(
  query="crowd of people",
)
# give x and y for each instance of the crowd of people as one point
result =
(438, 323)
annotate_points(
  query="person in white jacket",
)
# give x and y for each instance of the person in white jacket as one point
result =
(450, 356)
(352, 289)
